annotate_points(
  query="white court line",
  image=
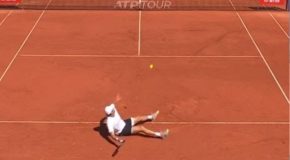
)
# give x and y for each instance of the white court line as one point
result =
(7, 15)
(134, 56)
(23, 43)
(286, 34)
(280, 26)
(139, 31)
(261, 54)
(266, 63)
(158, 123)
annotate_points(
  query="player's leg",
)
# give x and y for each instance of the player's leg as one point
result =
(144, 131)
(140, 119)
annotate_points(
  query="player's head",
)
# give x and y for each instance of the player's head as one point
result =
(110, 110)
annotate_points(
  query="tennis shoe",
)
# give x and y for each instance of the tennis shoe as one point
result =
(154, 115)
(165, 134)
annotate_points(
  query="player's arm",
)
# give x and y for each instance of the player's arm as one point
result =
(118, 101)
(112, 134)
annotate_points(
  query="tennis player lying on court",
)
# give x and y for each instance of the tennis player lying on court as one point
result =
(119, 127)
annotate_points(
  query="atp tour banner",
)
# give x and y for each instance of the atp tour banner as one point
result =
(144, 4)
(272, 2)
(9, 1)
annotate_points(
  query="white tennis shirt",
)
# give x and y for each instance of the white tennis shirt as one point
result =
(115, 124)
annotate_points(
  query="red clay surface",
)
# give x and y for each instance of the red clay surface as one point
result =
(272, 42)
(76, 89)
(200, 33)
(207, 89)
(85, 32)
(186, 142)
(283, 19)
(2, 15)
(13, 32)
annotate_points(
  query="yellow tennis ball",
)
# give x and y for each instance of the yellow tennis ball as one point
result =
(151, 66)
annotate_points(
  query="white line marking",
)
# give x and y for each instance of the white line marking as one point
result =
(23, 43)
(158, 123)
(286, 34)
(260, 52)
(139, 32)
(280, 26)
(134, 56)
(7, 15)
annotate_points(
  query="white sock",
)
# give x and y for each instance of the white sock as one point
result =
(157, 134)
(150, 117)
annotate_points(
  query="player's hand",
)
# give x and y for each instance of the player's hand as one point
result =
(121, 140)
(118, 98)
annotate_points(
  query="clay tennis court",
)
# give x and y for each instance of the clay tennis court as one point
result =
(220, 80)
